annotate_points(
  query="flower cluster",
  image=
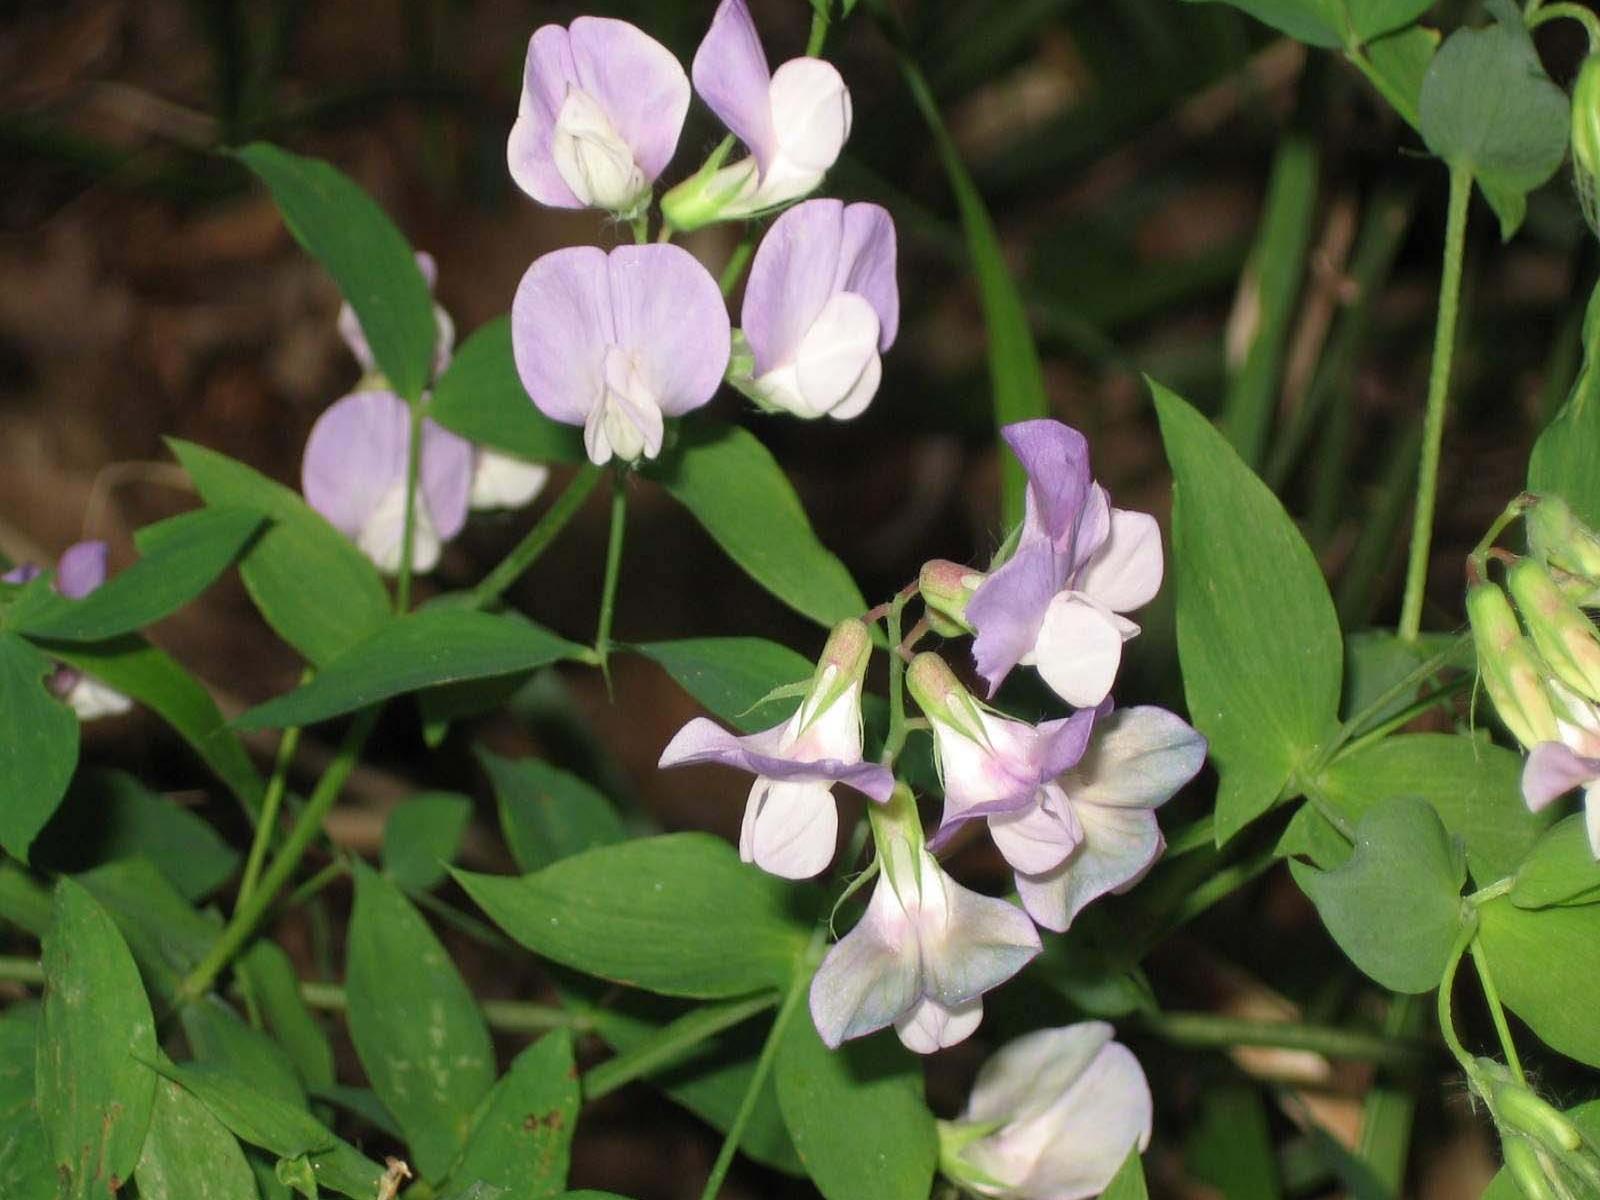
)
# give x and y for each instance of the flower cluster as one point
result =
(80, 570)
(1069, 803)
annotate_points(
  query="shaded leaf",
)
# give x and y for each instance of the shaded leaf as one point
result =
(1541, 959)
(1566, 458)
(39, 748)
(521, 1141)
(1560, 869)
(275, 990)
(189, 1154)
(547, 814)
(422, 837)
(481, 397)
(733, 676)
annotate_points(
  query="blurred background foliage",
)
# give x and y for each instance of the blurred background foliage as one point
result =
(1178, 191)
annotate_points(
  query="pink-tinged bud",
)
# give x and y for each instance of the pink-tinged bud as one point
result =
(1563, 636)
(1511, 672)
(849, 649)
(1559, 539)
(942, 698)
(946, 587)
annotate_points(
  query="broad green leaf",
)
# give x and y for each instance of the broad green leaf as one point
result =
(363, 1103)
(342, 228)
(416, 1027)
(317, 591)
(165, 933)
(189, 1154)
(1566, 458)
(26, 1169)
(677, 914)
(1399, 64)
(1403, 863)
(1333, 23)
(1473, 786)
(742, 498)
(733, 676)
(422, 837)
(135, 668)
(419, 650)
(285, 1130)
(1257, 636)
(1560, 869)
(93, 1092)
(1230, 1146)
(1488, 107)
(1542, 960)
(857, 1115)
(181, 558)
(522, 1139)
(481, 397)
(220, 1040)
(1585, 1116)
(275, 989)
(1128, 1183)
(38, 750)
(110, 815)
(547, 814)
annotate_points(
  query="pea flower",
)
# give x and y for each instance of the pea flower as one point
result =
(820, 306)
(355, 337)
(923, 953)
(602, 106)
(794, 121)
(791, 824)
(1057, 603)
(1556, 767)
(1052, 1116)
(1001, 769)
(80, 570)
(617, 342)
(354, 474)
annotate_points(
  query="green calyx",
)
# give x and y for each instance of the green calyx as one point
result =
(1511, 671)
(946, 587)
(954, 1138)
(1564, 637)
(701, 199)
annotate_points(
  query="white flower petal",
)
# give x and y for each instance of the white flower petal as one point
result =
(1125, 572)
(1139, 758)
(1037, 838)
(836, 352)
(811, 113)
(381, 538)
(1119, 845)
(790, 829)
(90, 700)
(930, 1026)
(870, 976)
(1079, 649)
(593, 159)
(1030, 1073)
(500, 481)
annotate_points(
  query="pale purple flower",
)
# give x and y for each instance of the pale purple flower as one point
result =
(617, 342)
(1056, 604)
(354, 474)
(1136, 762)
(1053, 1116)
(794, 121)
(791, 823)
(820, 306)
(355, 338)
(1557, 767)
(602, 106)
(921, 957)
(80, 570)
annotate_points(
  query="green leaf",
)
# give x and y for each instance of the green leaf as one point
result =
(110, 815)
(1333, 23)
(422, 837)
(137, 669)
(522, 1140)
(189, 1154)
(416, 1027)
(1257, 636)
(181, 558)
(677, 914)
(220, 1040)
(317, 591)
(857, 1115)
(1403, 863)
(1488, 107)
(1128, 1183)
(419, 650)
(342, 228)
(742, 498)
(1566, 458)
(93, 1092)
(734, 676)
(275, 989)
(38, 750)
(166, 935)
(547, 814)
(1230, 1146)
(26, 1169)
(285, 1130)
(481, 397)
(1473, 786)
(1399, 63)
(1560, 869)
(1585, 1116)
(1541, 960)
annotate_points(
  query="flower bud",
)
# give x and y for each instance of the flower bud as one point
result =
(1526, 1166)
(1563, 636)
(946, 587)
(1511, 672)
(1559, 539)
(1520, 1108)
(937, 691)
(1586, 136)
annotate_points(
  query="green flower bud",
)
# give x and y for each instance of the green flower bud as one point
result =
(1518, 1107)
(1525, 1164)
(1563, 636)
(937, 691)
(1562, 541)
(1586, 137)
(946, 587)
(701, 199)
(1510, 670)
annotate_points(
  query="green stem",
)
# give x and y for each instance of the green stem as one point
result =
(523, 554)
(1406, 715)
(819, 27)
(1208, 1030)
(308, 890)
(21, 970)
(737, 262)
(608, 594)
(1492, 994)
(1444, 341)
(1401, 687)
(669, 1044)
(1573, 12)
(508, 1016)
(641, 229)
(306, 827)
(1397, 97)
(1447, 1025)
(895, 740)
(267, 822)
(402, 586)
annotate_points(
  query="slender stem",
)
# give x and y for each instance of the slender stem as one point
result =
(1215, 889)
(737, 262)
(306, 827)
(1401, 687)
(508, 1016)
(641, 228)
(608, 594)
(308, 890)
(895, 740)
(668, 1045)
(1447, 1025)
(1444, 342)
(537, 539)
(1576, 12)
(1407, 714)
(1480, 960)
(267, 822)
(21, 970)
(1396, 96)
(1209, 1029)
(819, 27)
(402, 586)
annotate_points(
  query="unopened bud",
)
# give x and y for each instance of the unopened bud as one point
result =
(849, 649)
(946, 587)
(1586, 136)
(1511, 672)
(1518, 1107)
(1560, 539)
(1525, 1164)
(1563, 636)
(937, 691)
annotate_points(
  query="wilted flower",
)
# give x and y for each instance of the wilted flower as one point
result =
(820, 306)
(923, 953)
(794, 121)
(790, 821)
(1056, 604)
(616, 342)
(355, 338)
(602, 106)
(1053, 1116)
(80, 570)
(354, 474)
